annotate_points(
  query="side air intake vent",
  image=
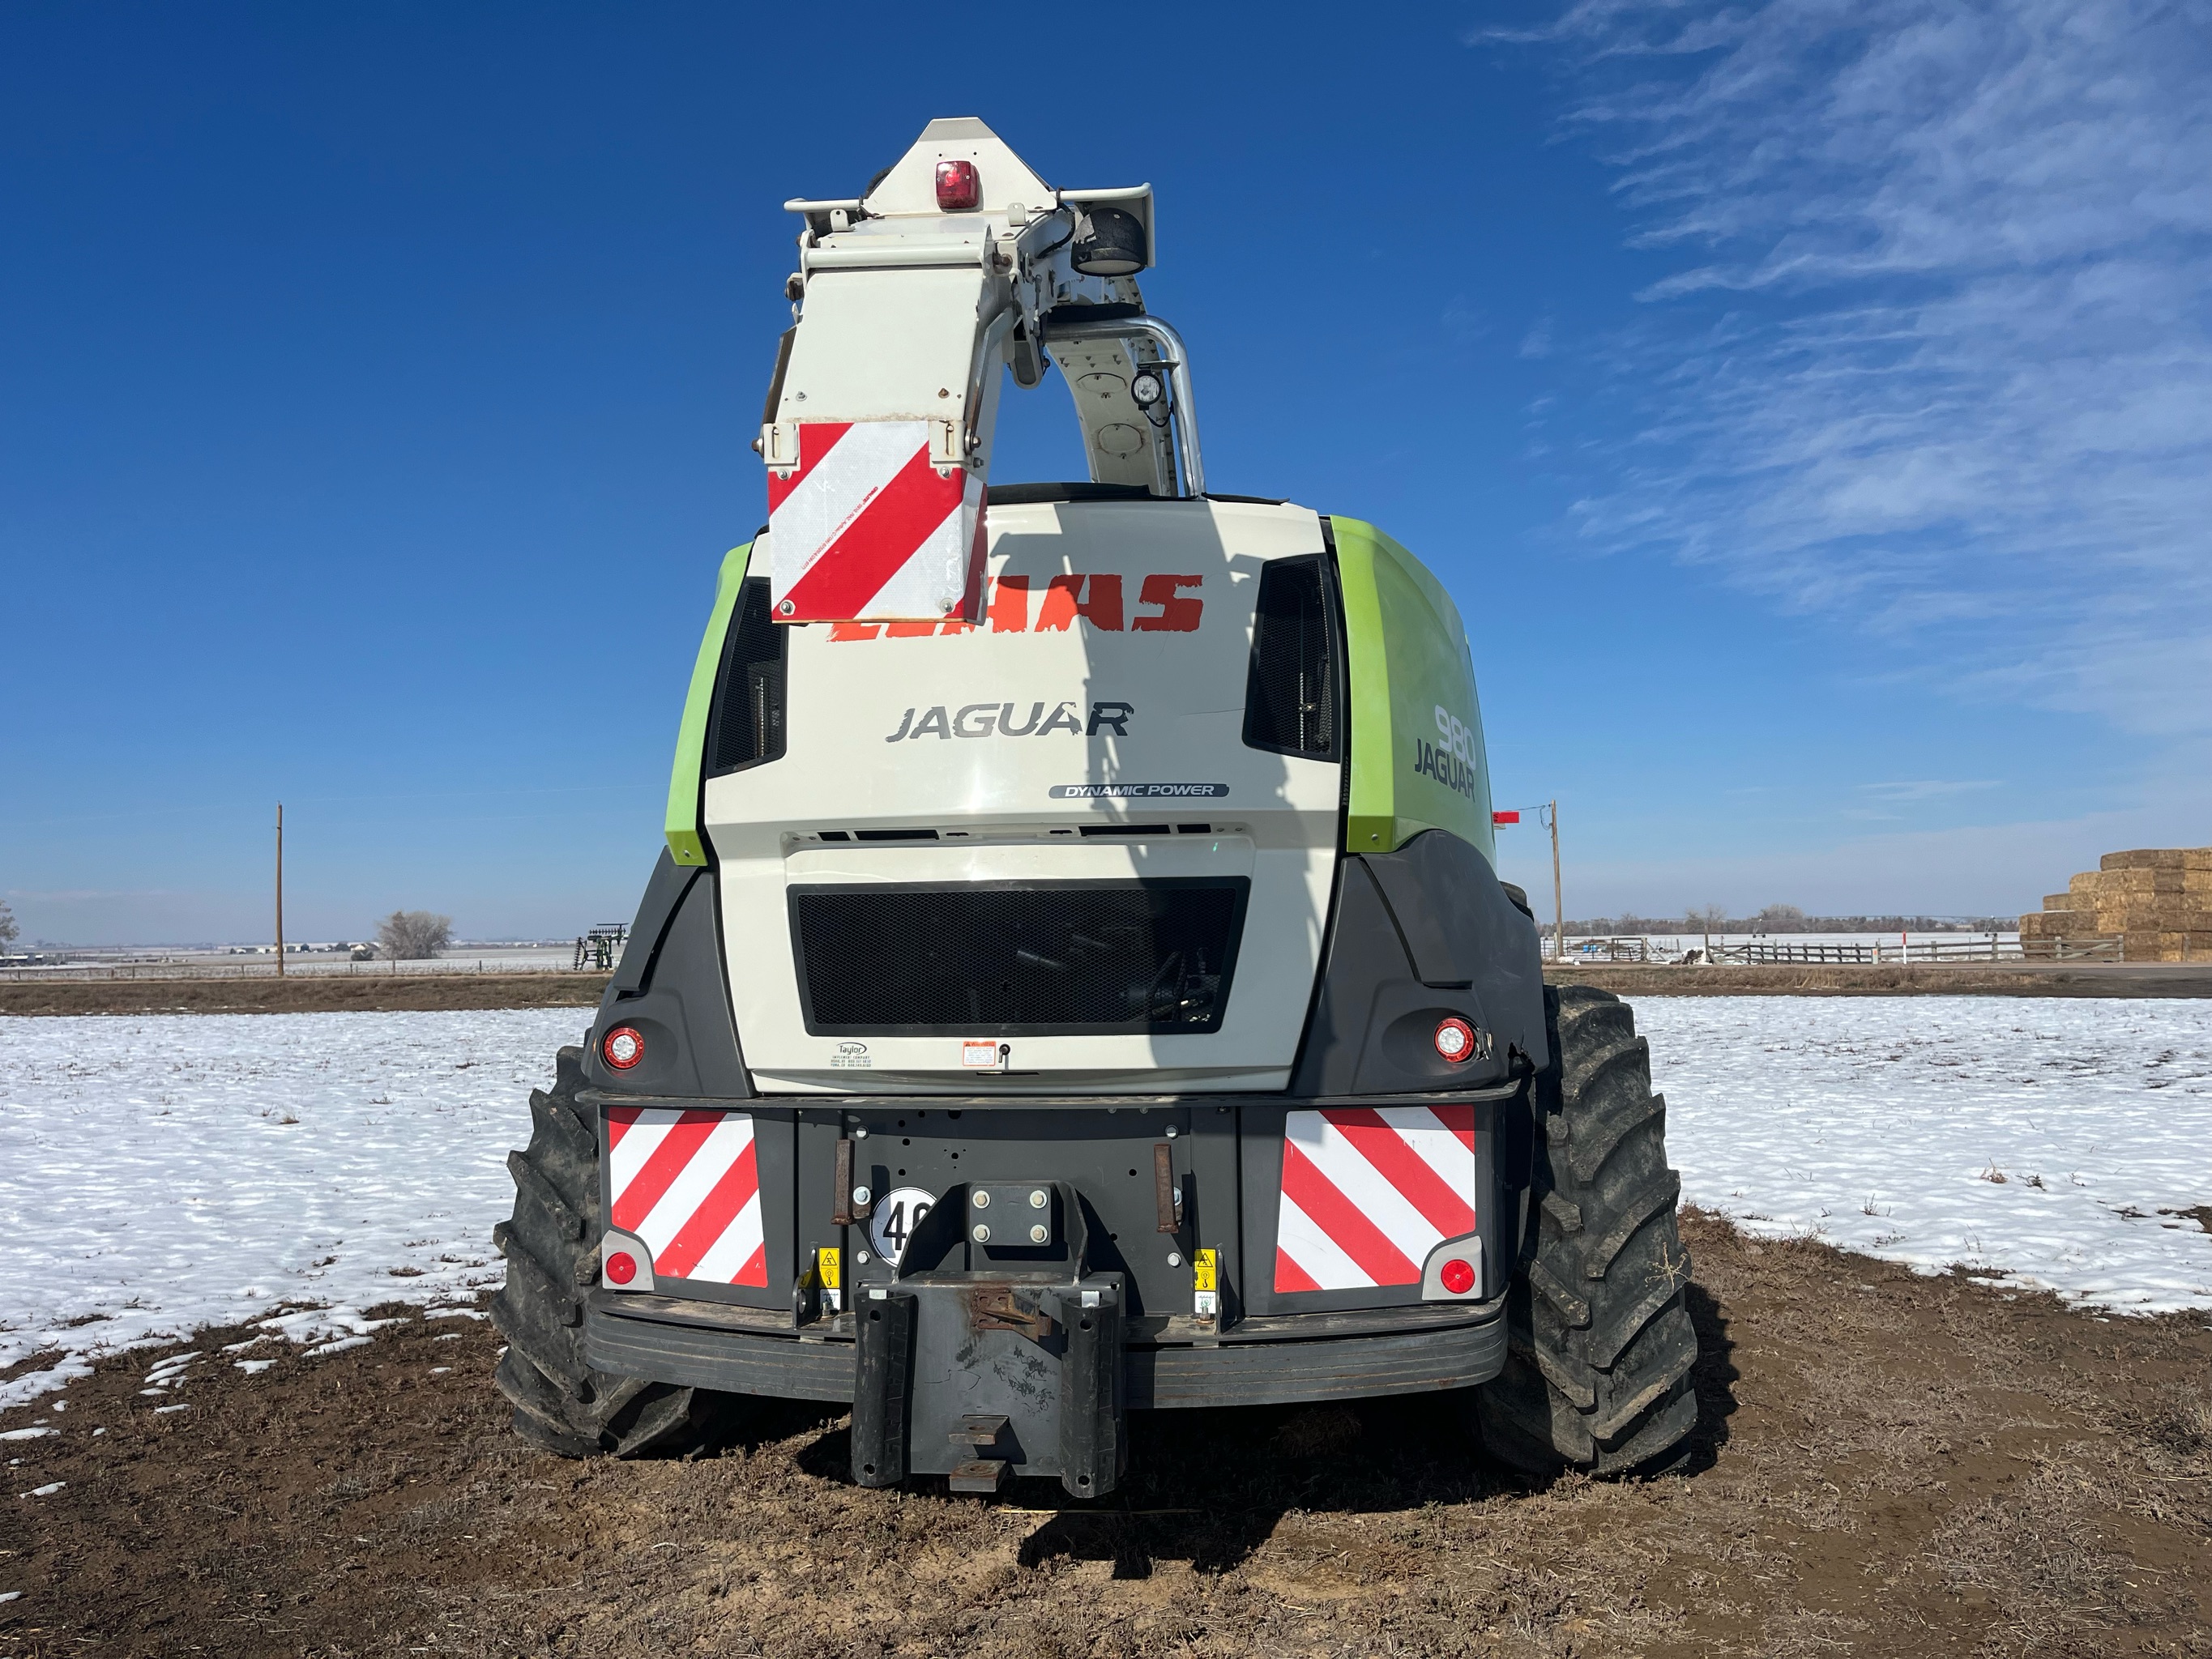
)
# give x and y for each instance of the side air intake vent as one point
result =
(747, 729)
(1061, 959)
(1290, 701)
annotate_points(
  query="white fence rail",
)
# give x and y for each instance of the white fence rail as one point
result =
(1760, 951)
(1783, 952)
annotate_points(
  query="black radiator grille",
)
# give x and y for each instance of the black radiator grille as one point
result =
(1065, 958)
(1290, 698)
(747, 727)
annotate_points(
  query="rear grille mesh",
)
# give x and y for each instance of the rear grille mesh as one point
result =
(1066, 958)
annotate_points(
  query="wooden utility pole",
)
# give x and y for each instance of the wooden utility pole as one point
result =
(1558, 892)
(280, 888)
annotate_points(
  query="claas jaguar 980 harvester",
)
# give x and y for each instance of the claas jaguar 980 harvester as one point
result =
(1078, 981)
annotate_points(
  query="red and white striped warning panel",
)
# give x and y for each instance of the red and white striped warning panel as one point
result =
(686, 1183)
(866, 529)
(1367, 1193)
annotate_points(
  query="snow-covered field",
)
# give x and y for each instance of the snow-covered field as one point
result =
(161, 1173)
(2049, 1138)
(165, 1173)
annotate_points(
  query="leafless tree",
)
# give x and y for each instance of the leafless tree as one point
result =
(413, 935)
(6, 925)
(1780, 919)
(1708, 918)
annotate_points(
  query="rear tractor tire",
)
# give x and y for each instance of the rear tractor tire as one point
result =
(1601, 1347)
(552, 1249)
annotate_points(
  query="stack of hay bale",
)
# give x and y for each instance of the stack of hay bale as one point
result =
(2157, 900)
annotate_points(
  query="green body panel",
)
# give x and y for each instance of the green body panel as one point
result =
(1417, 761)
(684, 844)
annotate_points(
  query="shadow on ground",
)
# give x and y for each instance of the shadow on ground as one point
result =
(1209, 1488)
(1715, 1379)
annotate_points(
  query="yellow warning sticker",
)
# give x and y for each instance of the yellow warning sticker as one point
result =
(1202, 1269)
(825, 1267)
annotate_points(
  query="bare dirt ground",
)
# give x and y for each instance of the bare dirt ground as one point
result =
(397, 994)
(2014, 979)
(1885, 1465)
(303, 994)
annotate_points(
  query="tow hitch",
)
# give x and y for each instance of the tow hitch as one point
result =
(981, 1361)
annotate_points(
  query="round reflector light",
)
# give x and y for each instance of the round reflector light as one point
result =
(1456, 1040)
(1458, 1276)
(622, 1267)
(624, 1047)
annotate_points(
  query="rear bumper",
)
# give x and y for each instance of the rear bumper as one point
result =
(1286, 1360)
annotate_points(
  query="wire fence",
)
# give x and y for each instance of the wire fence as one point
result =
(293, 969)
(1613, 949)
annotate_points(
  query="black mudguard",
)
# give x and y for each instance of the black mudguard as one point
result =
(1420, 933)
(668, 987)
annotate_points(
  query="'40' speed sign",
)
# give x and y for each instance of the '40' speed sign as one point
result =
(896, 1216)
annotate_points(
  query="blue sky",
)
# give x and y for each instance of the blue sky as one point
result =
(1809, 404)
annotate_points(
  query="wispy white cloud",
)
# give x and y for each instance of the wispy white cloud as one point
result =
(1464, 321)
(1938, 354)
(1926, 789)
(77, 895)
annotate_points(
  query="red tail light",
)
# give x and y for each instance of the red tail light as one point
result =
(959, 189)
(624, 1047)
